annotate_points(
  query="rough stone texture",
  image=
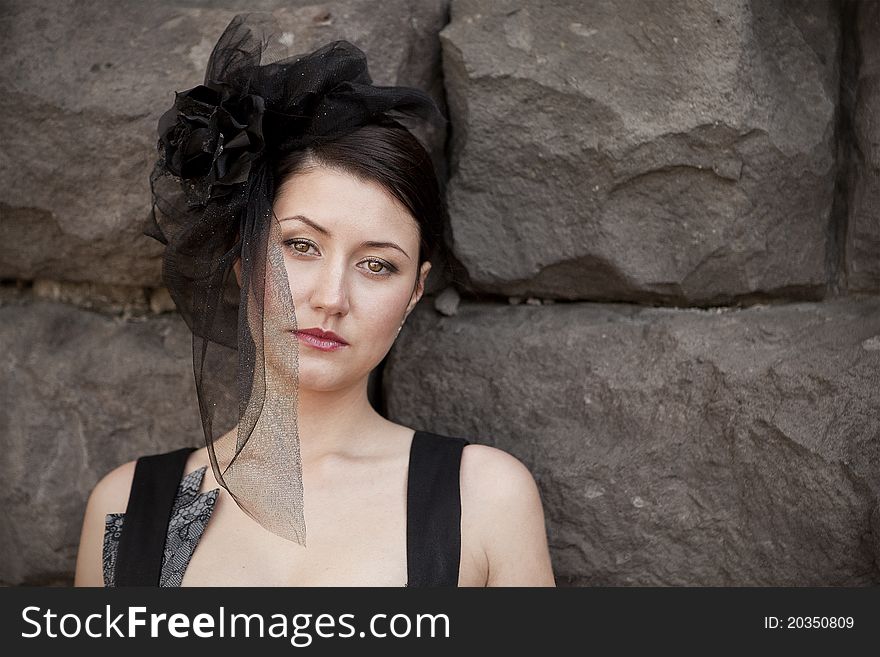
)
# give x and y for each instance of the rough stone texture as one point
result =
(680, 151)
(82, 393)
(863, 231)
(672, 447)
(110, 299)
(86, 82)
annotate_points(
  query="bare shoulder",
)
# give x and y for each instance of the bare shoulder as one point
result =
(503, 502)
(495, 475)
(110, 495)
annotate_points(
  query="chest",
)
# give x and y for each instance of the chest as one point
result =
(358, 537)
(371, 524)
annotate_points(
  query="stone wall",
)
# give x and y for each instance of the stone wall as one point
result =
(669, 219)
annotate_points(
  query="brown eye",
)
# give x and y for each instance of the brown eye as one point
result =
(375, 266)
(296, 244)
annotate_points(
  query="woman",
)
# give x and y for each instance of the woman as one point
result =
(357, 216)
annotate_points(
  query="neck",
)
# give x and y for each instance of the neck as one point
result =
(329, 423)
(335, 423)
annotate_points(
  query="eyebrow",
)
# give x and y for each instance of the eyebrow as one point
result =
(324, 231)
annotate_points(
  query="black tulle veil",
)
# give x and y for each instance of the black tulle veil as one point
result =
(213, 189)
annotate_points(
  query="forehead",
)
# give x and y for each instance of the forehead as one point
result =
(344, 205)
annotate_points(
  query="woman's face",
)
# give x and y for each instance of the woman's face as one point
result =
(361, 292)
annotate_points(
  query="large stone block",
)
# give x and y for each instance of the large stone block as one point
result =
(82, 393)
(680, 152)
(672, 447)
(84, 83)
(863, 229)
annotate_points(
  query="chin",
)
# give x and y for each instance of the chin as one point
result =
(322, 380)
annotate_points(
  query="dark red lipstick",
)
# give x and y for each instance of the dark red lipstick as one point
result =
(321, 339)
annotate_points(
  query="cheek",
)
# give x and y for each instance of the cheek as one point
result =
(381, 311)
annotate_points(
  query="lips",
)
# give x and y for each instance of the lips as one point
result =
(319, 339)
(323, 335)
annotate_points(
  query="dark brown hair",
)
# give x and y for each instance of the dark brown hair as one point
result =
(390, 155)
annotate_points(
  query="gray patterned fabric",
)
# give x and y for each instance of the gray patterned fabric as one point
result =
(189, 516)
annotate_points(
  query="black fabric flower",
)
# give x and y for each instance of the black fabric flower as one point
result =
(210, 137)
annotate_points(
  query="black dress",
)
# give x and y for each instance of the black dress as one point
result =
(152, 542)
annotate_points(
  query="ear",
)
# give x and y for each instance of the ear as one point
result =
(236, 267)
(419, 288)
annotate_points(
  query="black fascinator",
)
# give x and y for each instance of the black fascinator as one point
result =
(213, 190)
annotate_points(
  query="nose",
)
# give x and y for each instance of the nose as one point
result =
(329, 288)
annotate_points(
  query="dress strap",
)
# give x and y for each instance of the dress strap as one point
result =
(433, 511)
(142, 543)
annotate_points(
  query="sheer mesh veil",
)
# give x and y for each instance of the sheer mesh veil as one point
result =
(212, 191)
